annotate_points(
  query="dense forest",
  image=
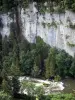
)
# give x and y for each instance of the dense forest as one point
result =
(19, 57)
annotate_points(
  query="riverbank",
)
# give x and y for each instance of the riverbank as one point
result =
(48, 87)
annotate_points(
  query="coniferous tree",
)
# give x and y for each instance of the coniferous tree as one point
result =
(5, 46)
(35, 70)
(15, 85)
(50, 63)
(72, 69)
(0, 57)
(6, 82)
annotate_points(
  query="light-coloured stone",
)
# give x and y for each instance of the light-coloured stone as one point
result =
(55, 36)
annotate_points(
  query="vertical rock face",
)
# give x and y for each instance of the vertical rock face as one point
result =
(55, 29)
(5, 20)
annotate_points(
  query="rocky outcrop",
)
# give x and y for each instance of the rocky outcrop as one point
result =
(55, 29)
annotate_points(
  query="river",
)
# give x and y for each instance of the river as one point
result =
(69, 85)
(65, 86)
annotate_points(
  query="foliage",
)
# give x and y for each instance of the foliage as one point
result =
(32, 89)
(15, 85)
(50, 63)
(60, 8)
(39, 91)
(57, 78)
(6, 86)
(43, 24)
(58, 97)
(35, 70)
(69, 3)
(71, 25)
(53, 24)
(0, 57)
(27, 61)
(15, 70)
(9, 5)
(63, 62)
(4, 96)
(40, 59)
(29, 87)
(19, 57)
(73, 6)
(70, 44)
(72, 68)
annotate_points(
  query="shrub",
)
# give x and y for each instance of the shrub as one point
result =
(70, 44)
(4, 96)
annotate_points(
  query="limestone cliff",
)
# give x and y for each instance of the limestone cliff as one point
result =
(55, 29)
